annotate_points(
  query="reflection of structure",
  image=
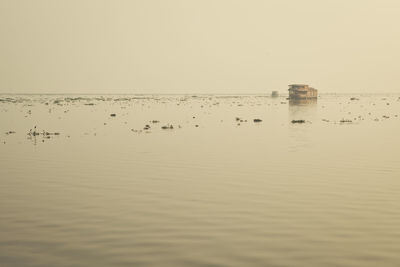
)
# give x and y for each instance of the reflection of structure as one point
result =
(302, 101)
(302, 109)
(275, 94)
(302, 91)
(302, 135)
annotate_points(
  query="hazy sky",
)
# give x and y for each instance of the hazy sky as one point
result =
(203, 46)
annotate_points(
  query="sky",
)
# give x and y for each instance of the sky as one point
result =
(198, 46)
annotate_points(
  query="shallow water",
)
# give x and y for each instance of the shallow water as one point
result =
(105, 192)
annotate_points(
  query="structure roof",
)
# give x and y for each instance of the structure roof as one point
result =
(293, 85)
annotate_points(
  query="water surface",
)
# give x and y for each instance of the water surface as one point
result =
(218, 189)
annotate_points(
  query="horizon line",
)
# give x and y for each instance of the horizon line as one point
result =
(191, 93)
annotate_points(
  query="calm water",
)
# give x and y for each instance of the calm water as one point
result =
(105, 192)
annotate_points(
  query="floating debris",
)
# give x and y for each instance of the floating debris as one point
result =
(354, 98)
(113, 115)
(345, 121)
(8, 99)
(166, 127)
(257, 120)
(10, 132)
(47, 133)
(44, 133)
(69, 99)
(298, 121)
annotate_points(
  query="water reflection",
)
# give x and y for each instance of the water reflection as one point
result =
(302, 109)
(299, 133)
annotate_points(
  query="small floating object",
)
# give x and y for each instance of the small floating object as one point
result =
(345, 121)
(113, 115)
(257, 120)
(167, 127)
(47, 133)
(298, 121)
(354, 98)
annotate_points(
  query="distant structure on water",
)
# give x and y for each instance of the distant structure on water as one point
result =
(275, 94)
(302, 91)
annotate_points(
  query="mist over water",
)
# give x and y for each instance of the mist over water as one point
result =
(178, 46)
(218, 189)
(198, 178)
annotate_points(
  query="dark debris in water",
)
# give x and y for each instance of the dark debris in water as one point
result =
(34, 132)
(166, 127)
(30, 110)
